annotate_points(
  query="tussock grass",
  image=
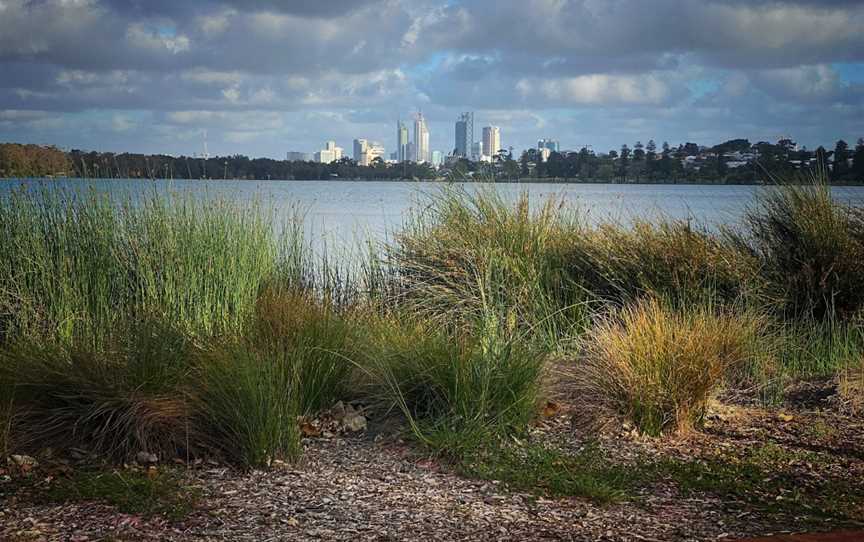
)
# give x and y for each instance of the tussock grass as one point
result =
(852, 388)
(123, 397)
(456, 390)
(468, 251)
(672, 259)
(811, 248)
(820, 348)
(247, 403)
(184, 327)
(657, 366)
(320, 340)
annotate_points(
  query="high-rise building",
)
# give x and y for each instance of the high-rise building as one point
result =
(437, 158)
(366, 151)
(464, 134)
(402, 142)
(373, 150)
(476, 150)
(551, 144)
(360, 146)
(421, 139)
(491, 140)
(293, 156)
(330, 153)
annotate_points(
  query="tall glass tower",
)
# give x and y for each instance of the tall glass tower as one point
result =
(402, 154)
(464, 134)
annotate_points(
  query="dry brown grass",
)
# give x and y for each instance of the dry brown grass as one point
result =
(658, 367)
(851, 388)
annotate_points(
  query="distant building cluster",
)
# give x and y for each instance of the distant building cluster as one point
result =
(545, 147)
(412, 145)
(366, 152)
(330, 153)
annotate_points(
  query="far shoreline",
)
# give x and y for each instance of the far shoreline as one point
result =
(440, 180)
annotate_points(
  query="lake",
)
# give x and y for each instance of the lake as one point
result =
(339, 213)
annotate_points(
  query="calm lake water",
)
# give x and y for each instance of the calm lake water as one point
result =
(340, 213)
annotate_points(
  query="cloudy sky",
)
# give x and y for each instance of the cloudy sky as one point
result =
(268, 76)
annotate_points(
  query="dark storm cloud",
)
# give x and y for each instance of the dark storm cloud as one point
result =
(163, 67)
(185, 8)
(592, 34)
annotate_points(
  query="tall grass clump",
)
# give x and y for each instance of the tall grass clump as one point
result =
(76, 264)
(458, 391)
(657, 366)
(295, 359)
(819, 348)
(127, 395)
(851, 386)
(469, 250)
(247, 404)
(811, 248)
(59, 273)
(321, 340)
(673, 259)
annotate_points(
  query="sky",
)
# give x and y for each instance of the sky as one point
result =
(265, 77)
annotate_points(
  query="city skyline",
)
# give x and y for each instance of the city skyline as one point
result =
(153, 76)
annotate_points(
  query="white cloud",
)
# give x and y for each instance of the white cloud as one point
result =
(122, 123)
(139, 36)
(596, 90)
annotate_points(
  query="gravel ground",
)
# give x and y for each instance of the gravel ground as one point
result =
(357, 488)
(353, 489)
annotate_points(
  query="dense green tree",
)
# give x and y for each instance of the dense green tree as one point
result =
(623, 162)
(664, 166)
(690, 149)
(858, 161)
(841, 155)
(638, 152)
(822, 156)
(651, 159)
(733, 145)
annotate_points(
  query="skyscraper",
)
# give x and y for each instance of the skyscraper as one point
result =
(551, 144)
(402, 142)
(464, 134)
(360, 146)
(421, 139)
(491, 140)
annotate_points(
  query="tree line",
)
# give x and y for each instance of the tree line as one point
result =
(34, 161)
(687, 162)
(647, 163)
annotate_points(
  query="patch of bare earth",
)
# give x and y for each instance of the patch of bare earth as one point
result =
(361, 489)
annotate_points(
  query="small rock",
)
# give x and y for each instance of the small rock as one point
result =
(339, 411)
(23, 460)
(146, 458)
(353, 421)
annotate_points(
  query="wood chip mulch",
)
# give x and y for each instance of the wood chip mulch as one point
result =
(359, 488)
